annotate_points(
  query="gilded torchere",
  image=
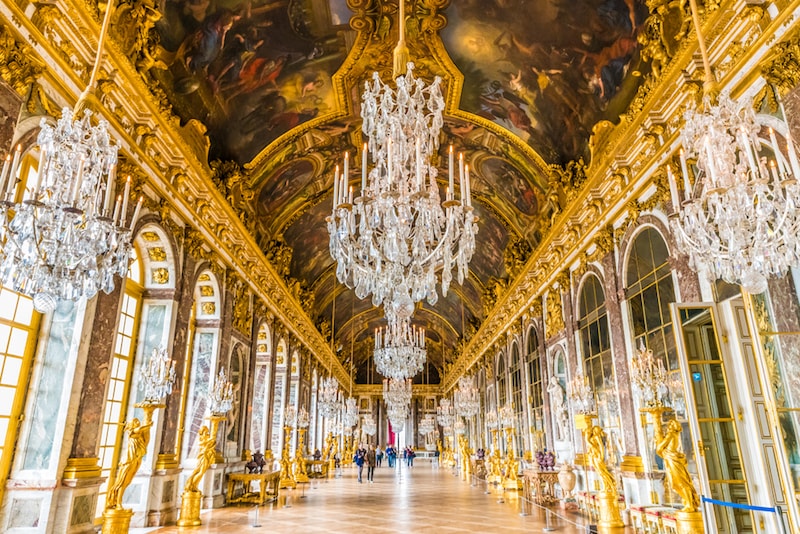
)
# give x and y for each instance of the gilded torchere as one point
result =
(192, 495)
(287, 477)
(495, 461)
(300, 474)
(689, 520)
(117, 519)
(511, 479)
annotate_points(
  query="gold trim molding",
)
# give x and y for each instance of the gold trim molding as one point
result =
(78, 468)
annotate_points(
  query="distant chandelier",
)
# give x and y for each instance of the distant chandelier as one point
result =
(397, 416)
(506, 416)
(302, 419)
(368, 425)
(741, 221)
(66, 238)
(467, 398)
(399, 349)
(350, 415)
(221, 395)
(156, 378)
(445, 414)
(390, 240)
(427, 425)
(397, 392)
(649, 377)
(329, 398)
(459, 427)
(580, 394)
(290, 416)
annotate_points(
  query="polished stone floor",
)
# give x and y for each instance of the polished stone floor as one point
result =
(420, 499)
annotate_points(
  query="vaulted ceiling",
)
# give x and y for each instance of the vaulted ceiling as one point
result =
(277, 85)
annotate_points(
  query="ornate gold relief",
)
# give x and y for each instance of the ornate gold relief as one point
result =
(150, 237)
(516, 254)
(242, 318)
(781, 71)
(209, 308)
(554, 322)
(194, 242)
(133, 31)
(204, 278)
(19, 65)
(206, 291)
(160, 275)
(157, 254)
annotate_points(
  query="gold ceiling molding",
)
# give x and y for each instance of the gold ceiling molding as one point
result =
(19, 66)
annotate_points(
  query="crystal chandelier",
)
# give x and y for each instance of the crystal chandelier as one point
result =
(459, 427)
(390, 240)
(491, 420)
(649, 377)
(156, 378)
(399, 349)
(580, 394)
(397, 416)
(445, 414)
(302, 419)
(66, 238)
(368, 425)
(329, 398)
(221, 394)
(290, 416)
(427, 425)
(740, 222)
(467, 398)
(350, 415)
(397, 392)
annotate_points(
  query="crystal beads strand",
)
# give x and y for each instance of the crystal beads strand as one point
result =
(68, 237)
(649, 377)
(390, 239)
(445, 414)
(350, 415)
(467, 398)
(741, 221)
(399, 349)
(221, 395)
(329, 398)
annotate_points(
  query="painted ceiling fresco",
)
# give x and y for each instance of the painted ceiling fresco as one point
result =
(546, 70)
(275, 82)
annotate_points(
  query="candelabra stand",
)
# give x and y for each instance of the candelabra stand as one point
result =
(466, 468)
(116, 519)
(192, 495)
(287, 478)
(495, 462)
(608, 498)
(300, 474)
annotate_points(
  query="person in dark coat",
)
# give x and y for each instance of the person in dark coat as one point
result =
(372, 460)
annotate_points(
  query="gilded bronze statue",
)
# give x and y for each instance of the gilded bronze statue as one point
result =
(138, 437)
(668, 448)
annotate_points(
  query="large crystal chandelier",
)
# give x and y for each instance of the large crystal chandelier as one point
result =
(397, 416)
(329, 398)
(649, 377)
(65, 236)
(397, 392)
(391, 238)
(467, 398)
(221, 394)
(506, 416)
(290, 416)
(580, 394)
(399, 349)
(368, 425)
(445, 414)
(427, 425)
(302, 420)
(157, 376)
(740, 222)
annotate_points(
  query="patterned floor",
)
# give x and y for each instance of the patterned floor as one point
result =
(422, 499)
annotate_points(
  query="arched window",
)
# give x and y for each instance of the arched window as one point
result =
(502, 394)
(237, 367)
(279, 394)
(119, 376)
(204, 359)
(515, 372)
(649, 292)
(535, 393)
(596, 350)
(258, 429)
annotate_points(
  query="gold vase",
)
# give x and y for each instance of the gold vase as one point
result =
(190, 509)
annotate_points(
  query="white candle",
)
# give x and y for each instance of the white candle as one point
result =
(746, 149)
(350, 196)
(463, 186)
(687, 187)
(336, 188)
(774, 172)
(12, 177)
(364, 169)
(117, 207)
(346, 170)
(42, 171)
(112, 174)
(450, 164)
(125, 198)
(4, 174)
(136, 212)
(15, 162)
(460, 171)
(673, 189)
(469, 188)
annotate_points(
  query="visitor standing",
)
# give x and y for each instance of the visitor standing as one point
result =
(391, 454)
(359, 459)
(379, 455)
(372, 459)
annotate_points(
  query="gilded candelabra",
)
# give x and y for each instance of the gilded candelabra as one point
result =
(192, 495)
(608, 497)
(287, 476)
(495, 461)
(465, 454)
(117, 519)
(511, 479)
(300, 474)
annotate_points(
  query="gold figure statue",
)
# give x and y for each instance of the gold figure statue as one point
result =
(287, 477)
(511, 466)
(300, 472)
(116, 519)
(495, 462)
(597, 457)
(205, 458)
(675, 464)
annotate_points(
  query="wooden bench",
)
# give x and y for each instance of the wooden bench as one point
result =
(240, 488)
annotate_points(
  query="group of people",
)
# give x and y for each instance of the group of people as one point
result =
(373, 457)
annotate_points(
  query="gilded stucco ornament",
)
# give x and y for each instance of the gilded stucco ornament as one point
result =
(19, 66)
(516, 254)
(781, 71)
(554, 322)
(134, 32)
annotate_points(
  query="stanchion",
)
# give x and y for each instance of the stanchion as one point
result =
(256, 522)
(473, 484)
(524, 507)
(486, 486)
(288, 502)
(547, 526)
